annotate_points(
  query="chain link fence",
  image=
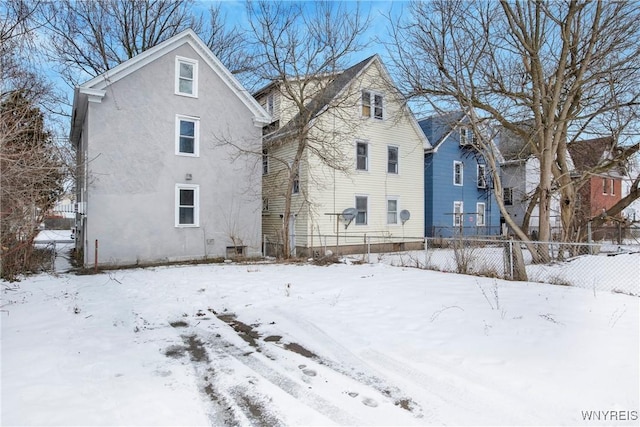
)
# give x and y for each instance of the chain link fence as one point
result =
(55, 250)
(602, 266)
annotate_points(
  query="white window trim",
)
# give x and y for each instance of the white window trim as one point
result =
(467, 136)
(366, 215)
(366, 169)
(461, 217)
(196, 207)
(613, 189)
(179, 60)
(484, 214)
(397, 200)
(397, 172)
(196, 137)
(372, 104)
(483, 174)
(457, 162)
(296, 179)
(270, 105)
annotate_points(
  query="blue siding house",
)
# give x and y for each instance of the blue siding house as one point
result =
(459, 197)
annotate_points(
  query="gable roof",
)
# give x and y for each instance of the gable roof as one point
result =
(439, 127)
(336, 87)
(588, 154)
(95, 88)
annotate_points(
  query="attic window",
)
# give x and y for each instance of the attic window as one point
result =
(270, 104)
(467, 137)
(186, 77)
(372, 103)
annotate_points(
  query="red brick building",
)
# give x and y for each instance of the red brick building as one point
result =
(602, 190)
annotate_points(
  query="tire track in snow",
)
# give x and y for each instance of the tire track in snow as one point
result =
(238, 405)
(260, 365)
(356, 368)
(459, 392)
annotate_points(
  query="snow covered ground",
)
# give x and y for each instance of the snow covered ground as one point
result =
(274, 344)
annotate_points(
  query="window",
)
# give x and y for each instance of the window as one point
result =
(457, 213)
(507, 196)
(186, 77)
(295, 189)
(187, 200)
(270, 104)
(605, 187)
(377, 107)
(482, 176)
(370, 99)
(612, 187)
(392, 211)
(480, 210)
(366, 103)
(457, 173)
(265, 161)
(392, 159)
(362, 156)
(265, 204)
(187, 135)
(467, 137)
(361, 207)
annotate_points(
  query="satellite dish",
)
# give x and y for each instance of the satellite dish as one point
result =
(348, 215)
(404, 216)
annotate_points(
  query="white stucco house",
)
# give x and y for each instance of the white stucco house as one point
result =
(156, 181)
(365, 125)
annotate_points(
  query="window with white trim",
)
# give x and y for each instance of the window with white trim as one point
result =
(362, 156)
(457, 172)
(482, 176)
(457, 213)
(295, 189)
(612, 187)
(186, 77)
(392, 159)
(270, 104)
(392, 211)
(480, 213)
(187, 205)
(361, 207)
(265, 204)
(372, 105)
(187, 135)
(467, 137)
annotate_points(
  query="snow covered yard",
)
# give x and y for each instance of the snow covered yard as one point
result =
(268, 344)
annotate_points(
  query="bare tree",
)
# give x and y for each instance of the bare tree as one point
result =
(29, 165)
(301, 51)
(569, 70)
(89, 37)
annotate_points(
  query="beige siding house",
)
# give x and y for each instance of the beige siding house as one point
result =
(155, 183)
(361, 122)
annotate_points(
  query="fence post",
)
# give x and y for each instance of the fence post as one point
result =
(369, 249)
(95, 259)
(426, 252)
(511, 258)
